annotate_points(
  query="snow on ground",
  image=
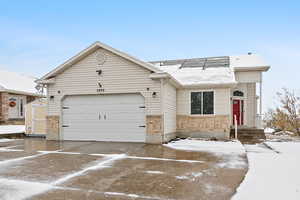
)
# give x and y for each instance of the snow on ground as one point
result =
(6, 140)
(269, 130)
(232, 152)
(291, 148)
(271, 175)
(17, 189)
(97, 165)
(10, 129)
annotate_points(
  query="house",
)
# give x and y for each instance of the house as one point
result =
(15, 91)
(104, 94)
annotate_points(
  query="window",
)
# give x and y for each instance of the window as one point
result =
(202, 103)
(238, 93)
(21, 108)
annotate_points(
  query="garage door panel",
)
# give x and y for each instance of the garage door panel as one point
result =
(104, 118)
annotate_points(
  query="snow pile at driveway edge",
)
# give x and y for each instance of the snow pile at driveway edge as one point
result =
(231, 153)
(273, 173)
(21, 189)
(11, 129)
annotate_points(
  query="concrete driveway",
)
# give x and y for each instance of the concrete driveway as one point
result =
(39, 169)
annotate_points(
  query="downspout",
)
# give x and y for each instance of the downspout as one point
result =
(260, 94)
(260, 101)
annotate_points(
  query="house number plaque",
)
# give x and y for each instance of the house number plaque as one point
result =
(100, 89)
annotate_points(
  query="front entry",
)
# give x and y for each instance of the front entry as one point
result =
(238, 111)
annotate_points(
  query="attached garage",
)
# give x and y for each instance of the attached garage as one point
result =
(102, 94)
(118, 117)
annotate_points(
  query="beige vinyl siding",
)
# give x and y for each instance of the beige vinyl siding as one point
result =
(118, 76)
(251, 104)
(169, 106)
(250, 109)
(222, 104)
(248, 77)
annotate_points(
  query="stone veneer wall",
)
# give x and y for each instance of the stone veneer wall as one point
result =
(154, 132)
(187, 126)
(203, 126)
(52, 127)
(154, 128)
(4, 106)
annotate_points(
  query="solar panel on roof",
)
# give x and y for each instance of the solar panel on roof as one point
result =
(222, 61)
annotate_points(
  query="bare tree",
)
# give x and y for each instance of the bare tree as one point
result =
(287, 114)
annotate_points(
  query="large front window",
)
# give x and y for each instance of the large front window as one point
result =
(202, 103)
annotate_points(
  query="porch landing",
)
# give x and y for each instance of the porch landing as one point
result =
(248, 134)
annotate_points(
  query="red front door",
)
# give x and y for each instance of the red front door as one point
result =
(238, 111)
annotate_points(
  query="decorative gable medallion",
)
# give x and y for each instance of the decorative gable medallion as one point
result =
(100, 57)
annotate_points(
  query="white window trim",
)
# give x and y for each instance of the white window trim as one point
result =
(190, 102)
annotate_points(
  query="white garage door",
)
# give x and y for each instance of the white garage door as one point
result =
(104, 118)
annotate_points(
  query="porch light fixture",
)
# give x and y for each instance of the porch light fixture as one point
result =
(99, 72)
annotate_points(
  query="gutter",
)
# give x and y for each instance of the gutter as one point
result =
(247, 69)
(165, 75)
(23, 93)
(212, 85)
(46, 81)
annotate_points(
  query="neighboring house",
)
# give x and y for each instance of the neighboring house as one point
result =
(106, 95)
(15, 91)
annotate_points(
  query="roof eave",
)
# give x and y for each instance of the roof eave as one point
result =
(164, 75)
(211, 85)
(91, 48)
(23, 93)
(254, 68)
(45, 81)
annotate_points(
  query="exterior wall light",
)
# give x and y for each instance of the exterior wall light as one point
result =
(154, 94)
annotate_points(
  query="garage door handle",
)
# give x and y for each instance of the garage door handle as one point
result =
(142, 126)
(104, 116)
(65, 126)
(99, 116)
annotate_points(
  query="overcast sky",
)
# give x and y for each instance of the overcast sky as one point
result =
(36, 36)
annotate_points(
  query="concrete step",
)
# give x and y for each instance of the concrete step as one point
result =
(249, 133)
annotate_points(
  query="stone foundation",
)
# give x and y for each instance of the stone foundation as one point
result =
(203, 126)
(13, 122)
(169, 136)
(154, 132)
(3, 106)
(187, 126)
(52, 127)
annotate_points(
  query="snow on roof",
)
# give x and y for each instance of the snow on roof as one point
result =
(189, 76)
(210, 70)
(247, 61)
(14, 82)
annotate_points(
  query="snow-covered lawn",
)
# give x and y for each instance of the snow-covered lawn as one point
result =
(273, 174)
(231, 152)
(11, 129)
